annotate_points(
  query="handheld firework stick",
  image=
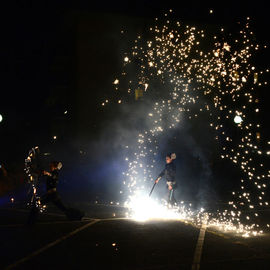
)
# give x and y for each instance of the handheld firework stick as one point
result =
(156, 181)
(152, 189)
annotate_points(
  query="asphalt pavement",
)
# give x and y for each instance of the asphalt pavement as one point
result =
(105, 239)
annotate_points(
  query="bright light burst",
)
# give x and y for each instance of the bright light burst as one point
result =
(216, 74)
(144, 208)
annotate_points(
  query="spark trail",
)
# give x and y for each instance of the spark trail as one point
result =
(222, 81)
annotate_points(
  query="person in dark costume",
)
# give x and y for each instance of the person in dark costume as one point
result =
(51, 186)
(52, 195)
(170, 175)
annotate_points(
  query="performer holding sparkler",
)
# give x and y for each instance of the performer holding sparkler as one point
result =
(170, 173)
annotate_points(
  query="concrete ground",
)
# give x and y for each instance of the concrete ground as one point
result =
(106, 239)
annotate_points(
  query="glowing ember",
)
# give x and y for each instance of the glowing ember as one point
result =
(224, 78)
(116, 81)
(238, 119)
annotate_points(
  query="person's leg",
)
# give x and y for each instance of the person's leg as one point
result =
(33, 215)
(58, 202)
(32, 218)
(172, 198)
(169, 196)
(71, 213)
(45, 199)
(170, 193)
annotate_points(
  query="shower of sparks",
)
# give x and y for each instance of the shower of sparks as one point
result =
(222, 82)
(144, 208)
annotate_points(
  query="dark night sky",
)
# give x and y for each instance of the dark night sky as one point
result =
(45, 73)
(39, 50)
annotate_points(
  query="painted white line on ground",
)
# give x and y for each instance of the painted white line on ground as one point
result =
(198, 250)
(52, 244)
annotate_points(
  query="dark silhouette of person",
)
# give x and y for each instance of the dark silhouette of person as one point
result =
(52, 179)
(52, 195)
(170, 174)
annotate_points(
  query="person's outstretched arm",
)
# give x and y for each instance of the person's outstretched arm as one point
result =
(160, 176)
